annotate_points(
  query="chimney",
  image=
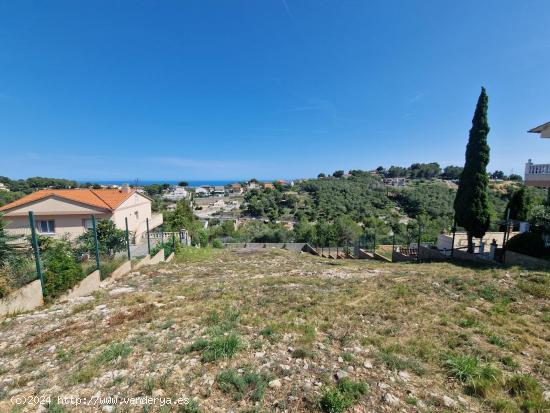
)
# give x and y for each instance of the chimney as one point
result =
(125, 189)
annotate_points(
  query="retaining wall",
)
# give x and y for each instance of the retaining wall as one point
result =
(24, 299)
(157, 258)
(143, 262)
(121, 271)
(515, 258)
(169, 258)
(84, 287)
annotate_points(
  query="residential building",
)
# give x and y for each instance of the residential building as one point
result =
(236, 188)
(67, 212)
(397, 182)
(3, 187)
(268, 185)
(202, 191)
(253, 185)
(175, 193)
(219, 190)
(539, 174)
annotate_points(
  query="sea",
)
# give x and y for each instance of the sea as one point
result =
(139, 182)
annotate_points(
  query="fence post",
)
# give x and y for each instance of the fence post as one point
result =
(454, 234)
(148, 239)
(36, 252)
(393, 243)
(419, 240)
(127, 239)
(374, 244)
(96, 243)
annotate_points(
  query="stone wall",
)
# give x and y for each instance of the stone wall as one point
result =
(143, 262)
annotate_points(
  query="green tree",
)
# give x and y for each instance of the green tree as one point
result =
(519, 205)
(346, 229)
(110, 239)
(472, 202)
(183, 183)
(338, 174)
(61, 269)
(6, 249)
(452, 172)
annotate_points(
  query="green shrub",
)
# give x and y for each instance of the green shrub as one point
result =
(249, 385)
(338, 399)
(62, 271)
(217, 244)
(222, 347)
(528, 243)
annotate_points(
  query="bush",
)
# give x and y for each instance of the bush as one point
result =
(337, 400)
(61, 269)
(110, 239)
(217, 244)
(528, 243)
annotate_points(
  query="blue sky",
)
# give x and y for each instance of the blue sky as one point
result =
(273, 88)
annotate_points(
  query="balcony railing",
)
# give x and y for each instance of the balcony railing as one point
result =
(537, 174)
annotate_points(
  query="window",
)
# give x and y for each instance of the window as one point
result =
(45, 227)
(87, 223)
(137, 215)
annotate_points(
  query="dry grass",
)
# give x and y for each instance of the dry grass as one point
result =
(479, 336)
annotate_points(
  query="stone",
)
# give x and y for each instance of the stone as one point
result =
(404, 375)
(259, 354)
(546, 395)
(275, 384)
(158, 393)
(367, 364)
(450, 403)
(341, 374)
(108, 408)
(121, 291)
(391, 399)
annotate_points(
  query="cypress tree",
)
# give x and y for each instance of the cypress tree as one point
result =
(472, 202)
(518, 205)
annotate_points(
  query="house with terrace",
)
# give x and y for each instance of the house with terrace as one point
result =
(68, 212)
(539, 174)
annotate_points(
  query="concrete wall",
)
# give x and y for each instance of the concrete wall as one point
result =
(157, 258)
(445, 241)
(137, 209)
(122, 270)
(84, 287)
(291, 246)
(432, 254)
(24, 299)
(169, 258)
(515, 258)
(143, 262)
(65, 225)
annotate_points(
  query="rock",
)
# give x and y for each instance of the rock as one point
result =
(473, 310)
(108, 408)
(404, 375)
(340, 360)
(546, 395)
(275, 384)
(158, 393)
(367, 364)
(341, 374)
(259, 354)
(391, 399)
(121, 290)
(450, 403)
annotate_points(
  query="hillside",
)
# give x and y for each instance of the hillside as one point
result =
(273, 330)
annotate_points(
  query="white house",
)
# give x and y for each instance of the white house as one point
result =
(539, 174)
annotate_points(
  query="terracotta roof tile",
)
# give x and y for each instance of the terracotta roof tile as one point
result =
(102, 198)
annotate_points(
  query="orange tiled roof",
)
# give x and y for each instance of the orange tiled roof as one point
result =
(102, 198)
